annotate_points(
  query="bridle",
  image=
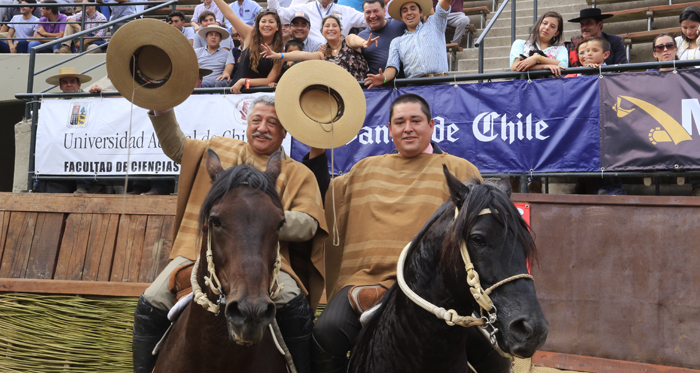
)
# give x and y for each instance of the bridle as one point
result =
(487, 309)
(212, 281)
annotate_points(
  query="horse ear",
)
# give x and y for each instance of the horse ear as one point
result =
(457, 188)
(274, 165)
(213, 164)
(504, 185)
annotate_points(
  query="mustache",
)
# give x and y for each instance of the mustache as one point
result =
(265, 135)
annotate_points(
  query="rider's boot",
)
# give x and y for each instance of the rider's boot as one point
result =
(323, 362)
(150, 324)
(296, 320)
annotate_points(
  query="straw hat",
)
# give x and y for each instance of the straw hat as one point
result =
(156, 51)
(320, 104)
(205, 30)
(68, 72)
(395, 7)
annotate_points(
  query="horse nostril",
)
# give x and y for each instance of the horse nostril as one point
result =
(270, 311)
(234, 314)
(521, 329)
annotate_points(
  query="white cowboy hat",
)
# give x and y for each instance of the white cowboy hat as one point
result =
(205, 30)
(320, 104)
(143, 56)
(67, 72)
(395, 7)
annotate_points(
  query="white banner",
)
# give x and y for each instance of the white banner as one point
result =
(91, 136)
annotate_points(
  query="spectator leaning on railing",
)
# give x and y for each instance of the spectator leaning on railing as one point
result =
(93, 19)
(541, 50)
(206, 6)
(46, 29)
(253, 70)
(421, 50)
(19, 28)
(119, 12)
(215, 58)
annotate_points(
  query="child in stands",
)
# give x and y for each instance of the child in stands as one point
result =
(581, 54)
(290, 46)
(597, 50)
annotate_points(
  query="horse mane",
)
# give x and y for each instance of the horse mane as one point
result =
(481, 195)
(241, 175)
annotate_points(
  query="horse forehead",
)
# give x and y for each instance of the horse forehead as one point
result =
(244, 199)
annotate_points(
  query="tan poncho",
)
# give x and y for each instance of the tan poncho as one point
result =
(381, 204)
(296, 186)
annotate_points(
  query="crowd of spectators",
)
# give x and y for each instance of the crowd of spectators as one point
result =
(247, 46)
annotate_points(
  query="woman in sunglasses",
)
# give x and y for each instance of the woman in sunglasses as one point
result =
(541, 50)
(665, 49)
(690, 28)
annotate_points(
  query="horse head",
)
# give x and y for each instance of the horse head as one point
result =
(499, 246)
(243, 215)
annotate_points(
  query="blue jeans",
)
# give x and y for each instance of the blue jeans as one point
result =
(22, 46)
(4, 47)
(45, 50)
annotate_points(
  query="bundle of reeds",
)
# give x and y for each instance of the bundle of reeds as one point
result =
(56, 333)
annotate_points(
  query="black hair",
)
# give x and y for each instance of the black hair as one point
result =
(52, 9)
(294, 43)
(177, 13)
(29, 2)
(410, 97)
(381, 3)
(691, 13)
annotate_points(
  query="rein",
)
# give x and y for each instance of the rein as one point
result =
(212, 281)
(481, 296)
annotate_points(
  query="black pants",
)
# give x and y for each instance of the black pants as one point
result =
(338, 327)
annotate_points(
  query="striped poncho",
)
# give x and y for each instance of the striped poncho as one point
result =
(381, 204)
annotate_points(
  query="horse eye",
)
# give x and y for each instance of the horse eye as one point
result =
(478, 239)
(214, 222)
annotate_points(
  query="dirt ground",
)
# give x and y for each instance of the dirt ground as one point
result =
(525, 366)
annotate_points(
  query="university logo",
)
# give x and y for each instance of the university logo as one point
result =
(78, 115)
(242, 108)
(670, 130)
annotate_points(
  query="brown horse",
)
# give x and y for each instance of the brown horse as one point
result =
(242, 215)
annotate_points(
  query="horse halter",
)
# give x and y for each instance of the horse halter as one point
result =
(480, 295)
(212, 281)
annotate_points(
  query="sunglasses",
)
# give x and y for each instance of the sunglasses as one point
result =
(660, 47)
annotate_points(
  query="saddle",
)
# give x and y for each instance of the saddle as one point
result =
(179, 282)
(364, 297)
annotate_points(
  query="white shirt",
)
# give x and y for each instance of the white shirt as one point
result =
(349, 17)
(685, 53)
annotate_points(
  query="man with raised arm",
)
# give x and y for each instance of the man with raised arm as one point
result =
(301, 237)
(316, 10)
(421, 50)
(381, 204)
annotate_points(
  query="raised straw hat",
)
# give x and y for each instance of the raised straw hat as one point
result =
(395, 7)
(143, 56)
(320, 104)
(68, 72)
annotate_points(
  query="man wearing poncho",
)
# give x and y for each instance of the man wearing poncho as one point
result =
(380, 205)
(303, 232)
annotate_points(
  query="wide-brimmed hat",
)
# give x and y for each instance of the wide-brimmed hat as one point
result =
(222, 31)
(153, 62)
(395, 7)
(67, 72)
(205, 72)
(320, 104)
(594, 13)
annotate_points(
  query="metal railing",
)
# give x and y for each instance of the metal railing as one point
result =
(32, 101)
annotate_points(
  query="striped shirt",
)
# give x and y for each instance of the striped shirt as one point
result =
(421, 52)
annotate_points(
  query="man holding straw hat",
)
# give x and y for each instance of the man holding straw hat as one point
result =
(141, 69)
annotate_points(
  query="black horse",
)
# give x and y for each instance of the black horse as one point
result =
(403, 337)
